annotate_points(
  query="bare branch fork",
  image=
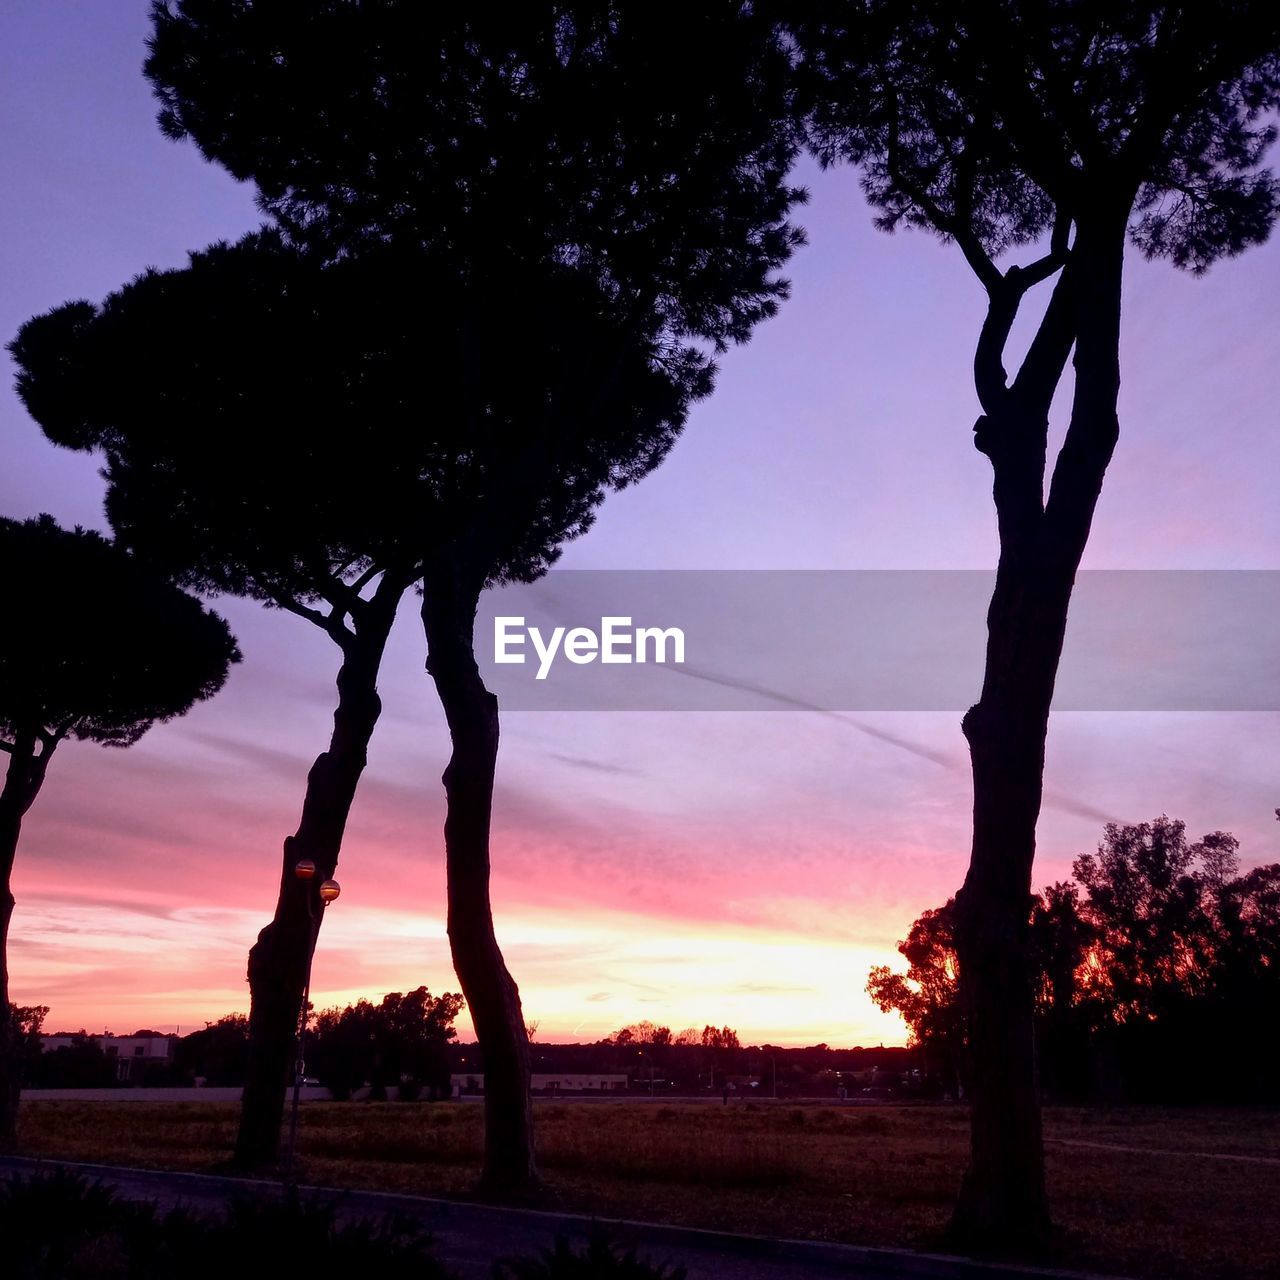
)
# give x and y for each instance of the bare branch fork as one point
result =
(1013, 430)
(1005, 291)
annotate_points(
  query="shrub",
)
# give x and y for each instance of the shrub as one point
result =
(600, 1260)
(61, 1226)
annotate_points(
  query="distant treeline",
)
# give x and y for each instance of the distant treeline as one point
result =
(399, 1044)
(1157, 971)
(405, 1047)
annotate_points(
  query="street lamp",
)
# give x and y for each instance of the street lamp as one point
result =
(304, 869)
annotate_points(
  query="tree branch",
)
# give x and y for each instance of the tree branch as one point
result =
(331, 623)
(1042, 268)
(49, 739)
(366, 577)
(1037, 139)
(989, 376)
(959, 230)
(1066, 113)
(1042, 366)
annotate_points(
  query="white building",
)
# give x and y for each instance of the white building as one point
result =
(132, 1053)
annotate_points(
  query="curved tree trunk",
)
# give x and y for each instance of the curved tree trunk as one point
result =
(279, 961)
(10, 1065)
(1002, 1201)
(448, 618)
(23, 779)
(1002, 1204)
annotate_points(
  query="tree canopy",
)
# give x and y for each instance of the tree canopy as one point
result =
(1155, 964)
(95, 645)
(986, 123)
(559, 212)
(274, 426)
(584, 203)
(643, 144)
(400, 1041)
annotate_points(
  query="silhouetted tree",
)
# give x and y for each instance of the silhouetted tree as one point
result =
(1248, 979)
(94, 647)
(262, 428)
(27, 1026)
(648, 1043)
(401, 1041)
(1152, 898)
(218, 1054)
(721, 1048)
(1063, 942)
(995, 126)
(370, 468)
(642, 1033)
(1182, 970)
(603, 204)
(926, 996)
(80, 1064)
(1151, 967)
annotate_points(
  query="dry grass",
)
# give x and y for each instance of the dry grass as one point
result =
(881, 1175)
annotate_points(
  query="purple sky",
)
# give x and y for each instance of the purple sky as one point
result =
(686, 868)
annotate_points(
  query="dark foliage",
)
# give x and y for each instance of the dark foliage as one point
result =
(97, 647)
(218, 1054)
(599, 1259)
(927, 995)
(557, 208)
(580, 134)
(62, 1227)
(981, 122)
(377, 431)
(82, 1064)
(26, 1023)
(401, 1042)
(1155, 968)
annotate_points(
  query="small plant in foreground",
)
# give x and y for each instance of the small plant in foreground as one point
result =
(61, 1226)
(600, 1260)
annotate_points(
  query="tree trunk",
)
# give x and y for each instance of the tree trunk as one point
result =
(23, 779)
(1002, 1199)
(10, 1064)
(448, 618)
(281, 958)
(1002, 1203)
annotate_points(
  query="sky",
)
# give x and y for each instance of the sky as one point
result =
(741, 868)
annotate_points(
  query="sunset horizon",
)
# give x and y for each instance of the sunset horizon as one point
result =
(746, 868)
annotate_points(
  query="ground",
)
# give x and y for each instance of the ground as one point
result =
(1142, 1192)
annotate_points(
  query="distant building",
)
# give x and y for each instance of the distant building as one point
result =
(549, 1082)
(132, 1054)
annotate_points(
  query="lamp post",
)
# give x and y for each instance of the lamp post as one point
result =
(328, 892)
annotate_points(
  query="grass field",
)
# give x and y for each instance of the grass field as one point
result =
(1171, 1206)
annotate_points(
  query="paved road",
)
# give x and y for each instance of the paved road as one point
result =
(470, 1236)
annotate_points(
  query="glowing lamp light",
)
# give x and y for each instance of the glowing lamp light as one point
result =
(304, 869)
(329, 891)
